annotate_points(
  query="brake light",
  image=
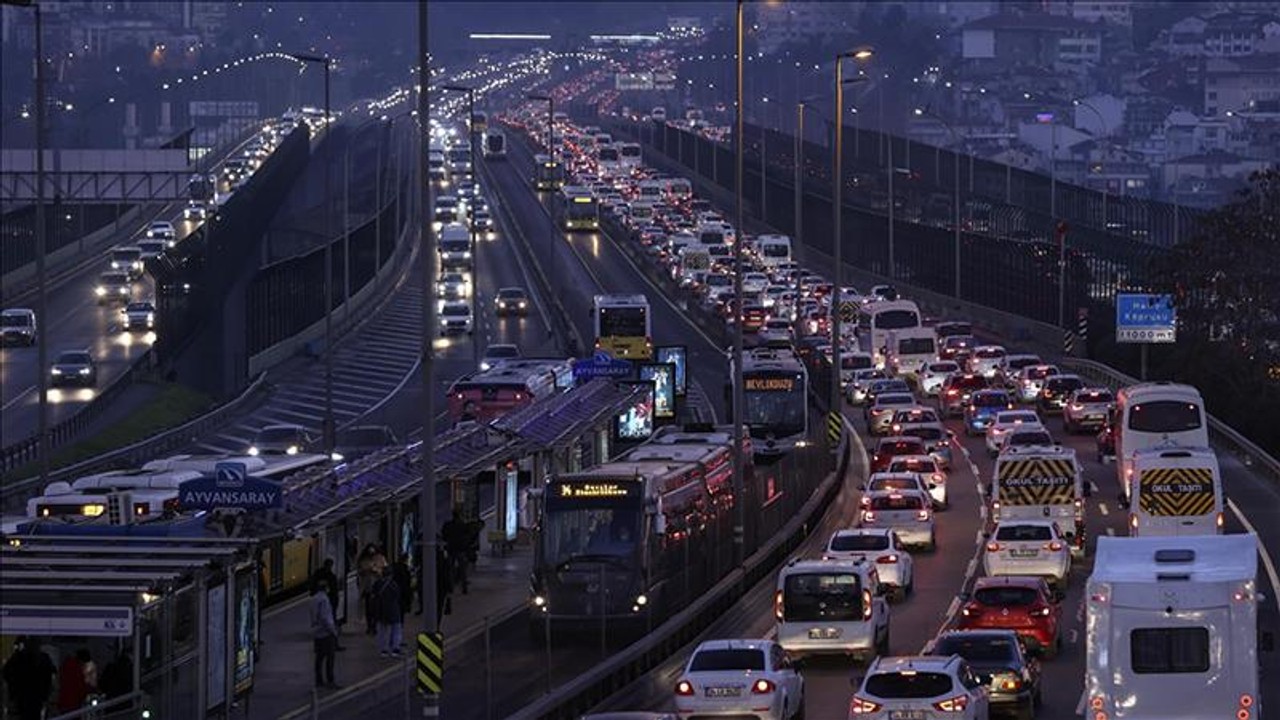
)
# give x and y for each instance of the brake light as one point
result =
(937, 477)
(1054, 546)
(862, 706)
(762, 687)
(1220, 521)
(1009, 683)
(777, 604)
(866, 605)
(953, 391)
(971, 611)
(868, 516)
(922, 515)
(684, 688)
(887, 559)
(1046, 393)
(865, 502)
(953, 705)
(993, 547)
(1039, 612)
(897, 428)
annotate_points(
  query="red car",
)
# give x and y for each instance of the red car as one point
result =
(1025, 605)
(891, 447)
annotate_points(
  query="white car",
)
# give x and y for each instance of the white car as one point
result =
(740, 678)
(1031, 381)
(931, 375)
(1028, 547)
(196, 210)
(456, 318)
(138, 316)
(453, 285)
(1005, 423)
(920, 688)
(986, 360)
(775, 330)
(880, 546)
(908, 512)
(755, 282)
(162, 230)
(930, 470)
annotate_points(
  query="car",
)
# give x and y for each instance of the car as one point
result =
(886, 385)
(746, 678)
(1026, 436)
(928, 467)
(931, 375)
(887, 480)
(18, 326)
(776, 330)
(953, 345)
(1023, 604)
(1031, 380)
(138, 316)
(456, 318)
(911, 416)
(127, 259)
(496, 353)
(985, 360)
(947, 328)
(483, 224)
(284, 439)
(152, 248)
(1012, 365)
(113, 286)
(1005, 422)
(1087, 409)
(957, 390)
(73, 367)
(831, 606)
(858, 386)
(881, 547)
(630, 715)
(1000, 659)
(907, 512)
(936, 437)
(982, 409)
(195, 211)
(1028, 547)
(919, 687)
(1056, 391)
(511, 301)
(358, 441)
(453, 286)
(162, 230)
(879, 414)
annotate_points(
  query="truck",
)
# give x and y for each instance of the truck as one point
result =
(1041, 482)
(1175, 491)
(1171, 630)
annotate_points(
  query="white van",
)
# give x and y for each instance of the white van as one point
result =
(831, 607)
(910, 348)
(1172, 629)
(455, 247)
(1175, 491)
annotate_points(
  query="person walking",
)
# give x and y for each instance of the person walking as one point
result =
(327, 575)
(444, 585)
(457, 541)
(73, 688)
(368, 570)
(29, 676)
(324, 631)
(390, 614)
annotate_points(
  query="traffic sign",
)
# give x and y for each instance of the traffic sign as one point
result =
(601, 364)
(835, 427)
(430, 662)
(848, 311)
(1145, 318)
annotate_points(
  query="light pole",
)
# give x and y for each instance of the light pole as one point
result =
(739, 477)
(328, 259)
(1102, 123)
(551, 126)
(837, 196)
(955, 155)
(799, 214)
(42, 349)
(475, 251)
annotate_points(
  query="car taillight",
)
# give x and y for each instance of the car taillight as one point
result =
(897, 428)
(953, 391)
(1076, 407)
(1039, 612)
(922, 515)
(868, 516)
(993, 547)
(866, 605)
(865, 502)
(862, 706)
(1046, 393)
(887, 559)
(1220, 521)
(684, 688)
(762, 687)
(777, 604)
(953, 705)
(1054, 546)
(1008, 682)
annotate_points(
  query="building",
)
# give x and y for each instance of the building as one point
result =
(1032, 38)
(1239, 83)
(1112, 12)
(1239, 34)
(1181, 173)
(815, 23)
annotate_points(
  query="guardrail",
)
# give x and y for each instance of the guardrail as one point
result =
(1220, 433)
(139, 452)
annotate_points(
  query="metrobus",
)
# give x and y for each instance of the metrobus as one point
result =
(489, 395)
(774, 250)
(630, 153)
(630, 528)
(775, 393)
(495, 143)
(879, 319)
(1155, 414)
(623, 326)
(578, 209)
(608, 159)
(679, 191)
(547, 173)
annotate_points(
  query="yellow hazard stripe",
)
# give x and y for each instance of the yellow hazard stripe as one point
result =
(1177, 491)
(430, 657)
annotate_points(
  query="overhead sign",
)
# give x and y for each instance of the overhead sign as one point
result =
(223, 108)
(230, 487)
(66, 621)
(601, 364)
(1143, 318)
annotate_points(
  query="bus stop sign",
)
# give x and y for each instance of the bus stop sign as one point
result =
(601, 364)
(230, 487)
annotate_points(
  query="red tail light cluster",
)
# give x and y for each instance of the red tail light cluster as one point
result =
(762, 687)
(887, 559)
(952, 705)
(862, 706)
(684, 688)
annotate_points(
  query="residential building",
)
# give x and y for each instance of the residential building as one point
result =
(1239, 34)
(1032, 38)
(1239, 83)
(1178, 171)
(1112, 12)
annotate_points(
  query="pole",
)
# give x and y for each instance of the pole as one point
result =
(1053, 175)
(891, 209)
(42, 308)
(799, 213)
(955, 157)
(1142, 362)
(837, 242)
(764, 215)
(739, 478)
(328, 273)
(475, 251)
(346, 230)
(427, 498)
(1062, 274)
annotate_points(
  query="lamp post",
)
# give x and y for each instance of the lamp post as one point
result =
(551, 127)
(475, 251)
(923, 112)
(799, 213)
(739, 478)
(1102, 123)
(328, 260)
(837, 196)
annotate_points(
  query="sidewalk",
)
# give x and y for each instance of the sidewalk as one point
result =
(283, 678)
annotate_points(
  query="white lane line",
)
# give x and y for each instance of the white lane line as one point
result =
(1267, 562)
(1102, 508)
(18, 397)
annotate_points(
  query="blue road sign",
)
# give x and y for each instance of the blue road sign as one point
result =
(601, 364)
(230, 487)
(1143, 318)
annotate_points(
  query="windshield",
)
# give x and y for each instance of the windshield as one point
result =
(511, 294)
(924, 433)
(1017, 417)
(916, 346)
(781, 410)
(15, 320)
(139, 307)
(955, 328)
(623, 322)
(456, 310)
(988, 353)
(893, 483)
(114, 278)
(711, 237)
(983, 650)
(916, 465)
(277, 434)
(776, 250)
(125, 255)
(943, 367)
(813, 597)
(609, 529)
(1061, 384)
(917, 685)
(859, 543)
(631, 151)
(73, 358)
(1040, 373)
(990, 400)
(455, 246)
(1006, 596)
(896, 319)
(608, 155)
(1164, 416)
(895, 400)
(1094, 396)
(897, 502)
(1019, 533)
(727, 659)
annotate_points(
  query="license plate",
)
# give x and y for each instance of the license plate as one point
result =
(1024, 552)
(906, 715)
(824, 633)
(723, 691)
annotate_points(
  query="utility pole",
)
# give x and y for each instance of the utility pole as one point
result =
(799, 213)
(837, 212)
(739, 477)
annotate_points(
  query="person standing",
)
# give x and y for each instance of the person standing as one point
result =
(72, 687)
(324, 631)
(327, 575)
(369, 569)
(404, 583)
(29, 676)
(390, 614)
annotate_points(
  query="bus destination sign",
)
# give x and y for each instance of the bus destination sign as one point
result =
(576, 490)
(769, 384)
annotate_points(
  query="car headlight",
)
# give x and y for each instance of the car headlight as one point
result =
(254, 451)
(99, 291)
(56, 371)
(123, 290)
(291, 450)
(484, 366)
(522, 304)
(84, 371)
(336, 457)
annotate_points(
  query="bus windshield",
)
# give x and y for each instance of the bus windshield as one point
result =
(916, 346)
(896, 319)
(590, 533)
(810, 597)
(776, 250)
(623, 322)
(608, 154)
(1164, 416)
(774, 403)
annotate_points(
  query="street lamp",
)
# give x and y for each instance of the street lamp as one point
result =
(475, 254)
(42, 352)
(837, 197)
(1102, 123)
(739, 398)
(328, 259)
(955, 155)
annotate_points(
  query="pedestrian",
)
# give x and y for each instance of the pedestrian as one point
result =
(327, 574)
(457, 540)
(404, 583)
(368, 570)
(72, 688)
(29, 676)
(324, 632)
(390, 614)
(444, 585)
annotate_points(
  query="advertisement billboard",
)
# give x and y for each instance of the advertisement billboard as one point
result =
(663, 376)
(637, 422)
(677, 355)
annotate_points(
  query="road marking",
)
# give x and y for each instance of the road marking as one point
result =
(1102, 508)
(19, 396)
(1267, 563)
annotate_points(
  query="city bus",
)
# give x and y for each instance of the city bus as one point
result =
(608, 159)
(547, 173)
(578, 209)
(631, 528)
(775, 391)
(486, 396)
(1156, 414)
(495, 143)
(879, 319)
(630, 153)
(623, 326)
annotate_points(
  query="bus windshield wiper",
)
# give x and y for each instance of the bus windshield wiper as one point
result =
(616, 560)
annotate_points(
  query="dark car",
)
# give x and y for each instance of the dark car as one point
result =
(356, 442)
(511, 301)
(948, 328)
(982, 408)
(1057, 390)
(73, 367)
(890, 447)
(1000, 660)
(1105, 442)
(953, 344)
(956, 392)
